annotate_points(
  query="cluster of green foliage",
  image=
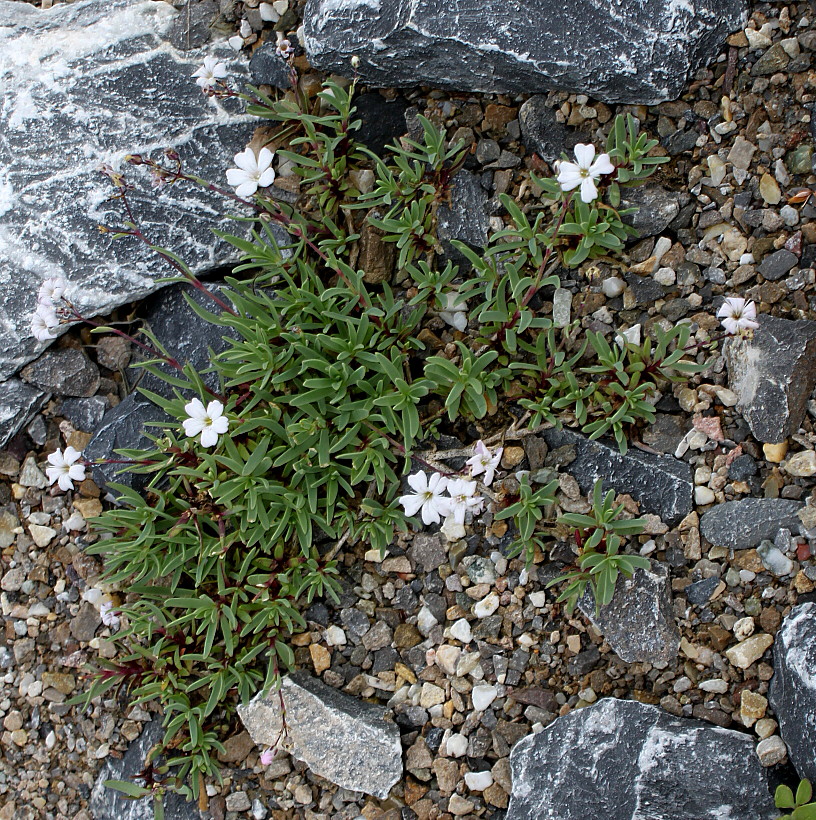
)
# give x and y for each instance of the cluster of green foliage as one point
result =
(803, 809)
(328, 394)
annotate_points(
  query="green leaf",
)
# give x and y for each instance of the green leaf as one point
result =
(128, 788)
(783, 797)
(804, 793)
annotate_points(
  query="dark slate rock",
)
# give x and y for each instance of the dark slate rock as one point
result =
(773, 374)
(666, 432)
(543, 134)
(657, 207)
(267, 67)
(584, 662)
(777, 264)
(635, 52)
(428, 551)
(85, 414)
(680, 141)
(622, 760)
(382, 122)
(742, 468)
(465, 218)
(700, 592)
(192, 28)
(743, 524)
(66, 372)
(107, 804)
(662, 484)
(93, 92)
(644, 289)
(793, 687)
(638, 623)
(18, 403)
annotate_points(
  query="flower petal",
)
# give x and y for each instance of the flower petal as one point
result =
(584, 154)
(64, 482)
(411, 503)
(602, 165)
(266, 178)
(589, 193)
(195, 409)
(419, 482)
(209, 438)
(192, 427)
(247, 189)
(569, 176)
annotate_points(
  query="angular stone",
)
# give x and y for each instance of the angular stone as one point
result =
(773, 374)
(107, 804)
(743, 524)
(775, 265)
(465, 219)
(622, 760)
(267, 67)
(428, 551)
(638, 623)
(657, 207)
(749, 651)
(345, 740)
(793, 687)
(67, 372)
(635, 52)
(84, 414)
(543, 134)
(83, 71)
(18, 403)
(662, 484)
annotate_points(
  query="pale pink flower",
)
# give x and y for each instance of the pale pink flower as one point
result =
(267, 756)
(64, 469)
(484, 462)
(736, 316)
(427, 497)
(253, 172)
(210, 421)
(283, 48)
(584, 171)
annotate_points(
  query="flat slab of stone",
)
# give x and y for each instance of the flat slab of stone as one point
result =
(793, 687)
(635, 52)
(624, 760)
(740, 525)
(638, 623)
(348, 741)
(662, 484)
(773, 374)
(18, 402)
(84, 84)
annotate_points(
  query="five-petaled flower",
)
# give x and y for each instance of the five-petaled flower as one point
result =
(43, 322)
(253, 172)
(463, 499)
(210, 73)
(737, 316)
(428, 497)
(484, 462)
(64, 469)
(584, 171)
(210, 421)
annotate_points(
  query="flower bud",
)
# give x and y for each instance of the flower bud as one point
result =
(355, 61)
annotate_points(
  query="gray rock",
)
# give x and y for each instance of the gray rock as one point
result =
(267, 67)
(345, 740)
(638, 623)
(775, 265)
(622, 760)
(84, 414)
(107, 804)
(773, 374)
(657, 207)
(743, 524)
(428, 551)
(793, 687)
(465, 218)
(635, 52)
(18, 403)
(543, 134)
(66, 372)
(84, 72)
(662, 484)
(192, 27)
(700, 592)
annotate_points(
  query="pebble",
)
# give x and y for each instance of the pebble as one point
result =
(487, 606)
(538, 599)
(483, 696)
(456, 745)
(717, 685)
(752, 707)
(744, 627)
(775, 452)
(458, 806)
(769, 189)
(749, 650)
(238, 801)
(478, 781)
(562, 306)
(335, 636)
(765, 727)
(703, 496)
(461, 631)
(431, 695)
(613, 286)
(802, 464)
(774, 560)
(447, 658)
(771, 750)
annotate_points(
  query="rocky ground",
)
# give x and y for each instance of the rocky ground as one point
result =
(466, 647)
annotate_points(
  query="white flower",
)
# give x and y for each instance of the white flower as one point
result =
(210, 73)
(454, 312)
(484, 462)
(210, 421)
(283, 47)
(252, 172)
(463, 499)
(51, 291)
(43, 322)
(584, 171)
(427, 497)
(736, 316)
(107, 615)
(64, 468)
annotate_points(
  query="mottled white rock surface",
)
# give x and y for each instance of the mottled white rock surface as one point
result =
(638, 51)
(793, 687)
(339, 737)
(84, 84)
(624, 760)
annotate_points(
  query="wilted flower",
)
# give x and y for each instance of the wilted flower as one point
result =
(64, 469)
(210, 421)
(484, 462)
(252, 172)
(427, 497)
(109, 618)
(463, 499)
(267, 756)
(283, 48)
(43, 322)
(584, 171)
(737, 316)
(454, 312)
(51, 290)
(210, 73)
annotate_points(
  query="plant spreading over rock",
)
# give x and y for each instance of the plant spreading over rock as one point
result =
(298, 437)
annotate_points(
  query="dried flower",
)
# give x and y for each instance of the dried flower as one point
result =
(737, 316)
(51, 290)
(210, 421)
(43, 322)
(64, 469)
(252, 172)
(584, 172)
(283, 48)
